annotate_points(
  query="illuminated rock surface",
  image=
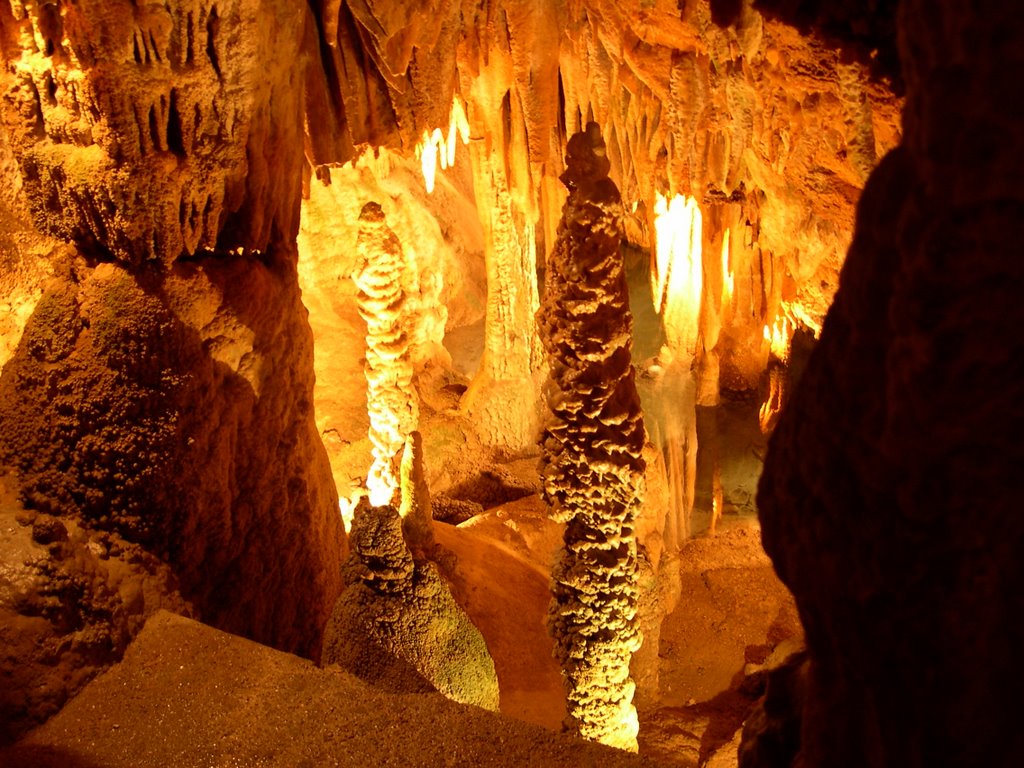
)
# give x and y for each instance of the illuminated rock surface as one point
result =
(149, 131)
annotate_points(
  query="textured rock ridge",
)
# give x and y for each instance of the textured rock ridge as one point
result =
(71, 598)
(891, 492)
(167, 408)
(592, 465)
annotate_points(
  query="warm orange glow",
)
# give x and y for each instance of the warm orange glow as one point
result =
(678, 273)
(728, 278)
(435, 146)
(802, 317)
(347, 507)
(770, 408)
(381, 485)
(777, 337)
(625, 735)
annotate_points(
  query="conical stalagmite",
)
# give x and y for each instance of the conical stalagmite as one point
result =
(591, 465)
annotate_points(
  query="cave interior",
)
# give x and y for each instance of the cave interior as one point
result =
(548, 382)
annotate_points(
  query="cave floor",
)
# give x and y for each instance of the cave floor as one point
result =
(187, 694)
(731, 614)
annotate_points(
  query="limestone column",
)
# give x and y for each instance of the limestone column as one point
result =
(504, 396)
(592, 465)
(390, 396)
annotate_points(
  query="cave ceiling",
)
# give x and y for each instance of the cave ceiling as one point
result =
(155, 130)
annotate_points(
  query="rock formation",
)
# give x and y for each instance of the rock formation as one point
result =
(143, 131)
(591, 462)
(397, 625)
(71, 599)
(161, 392)
(390, 395)
(891, 492)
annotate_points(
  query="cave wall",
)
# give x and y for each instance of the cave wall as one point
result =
(891, 491)
(160, 393)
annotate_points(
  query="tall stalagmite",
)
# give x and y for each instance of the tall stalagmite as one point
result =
(591, 464)
(390, 397)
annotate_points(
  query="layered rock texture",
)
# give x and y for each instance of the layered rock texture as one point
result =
(891, 493)
(390, 397)
(591, 461)
(397, 625)
(146, 131)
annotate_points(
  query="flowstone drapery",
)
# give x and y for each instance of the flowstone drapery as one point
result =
(591, 464)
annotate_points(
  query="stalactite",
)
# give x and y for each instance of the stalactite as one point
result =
(592, 465)
(677, 283)
(390, 397)
(777, 338)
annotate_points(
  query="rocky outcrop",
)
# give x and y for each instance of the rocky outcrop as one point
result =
(174, 410)
(71, 599)
(891, 493)
(591, 462)
(397, 625)
(160, 393)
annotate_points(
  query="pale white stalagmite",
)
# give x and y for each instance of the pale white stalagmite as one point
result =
(592, 463)
(390, 396)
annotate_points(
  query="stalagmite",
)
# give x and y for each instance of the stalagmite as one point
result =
(591, 464)
(397, 625)
(390, 397)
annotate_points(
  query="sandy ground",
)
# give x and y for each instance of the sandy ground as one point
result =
(190, 696)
